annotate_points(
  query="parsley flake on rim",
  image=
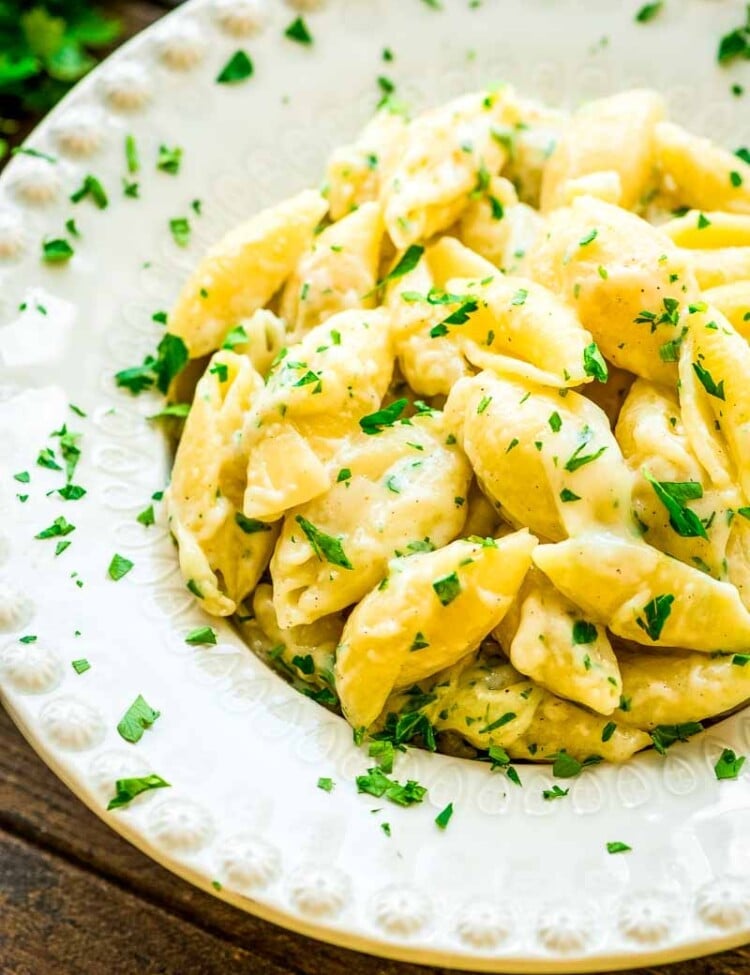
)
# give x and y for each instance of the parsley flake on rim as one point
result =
(616, 846)
(729, 765)
(298, 31)
(376, 422)
(673, 495)
(444, 816)
(58, 527)
(131, 154)
(138, 717)
(556, 792)
(648, 11)
(203, 636)
(327, 785)
(93, 188)
(567, 767)
(56, 250)
(326, 547)
(146, 517)
(665, 735)
(376, 783)
(179, 227)
(238, 68)
(127, 789)
(119, 567)
(169, 160)
(80, 666)
(171, 358)
(657, 612)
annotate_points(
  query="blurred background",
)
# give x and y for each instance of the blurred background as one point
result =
(46, 46)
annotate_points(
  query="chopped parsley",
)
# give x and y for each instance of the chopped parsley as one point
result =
(556, 792)
(343, 475)
(169, 160)
(447, 588)
(23, 477)
(498, 722)
(555, 422)
(577, 459)
(519, 298)
(444, 817)
(58, 528)
(93, 188)
(71, 492)
(250, 526)
(383, 751)
(234, 337)
(194, 588)
(376, 422)
(459, 317)
(673, 495)
(409, 260)
(238, 68)
(648, 11)
(179, 227)
(146, 517)
(735, 44)
(56, 250)
(500, 759)
(80, 666)
(588, 238)
(119, 567)
(735, 178)
(707, 381)
(484, 402)
(594, 364)
(729, 765)
(299, 32)
(615, 846)
(584, 632)
(657, 613)
(327, 785)
(127, 789)
(203, 636)
(665, 735)
(131, 154)
(608, 730)
(376, 783)
(171, 358)
(46, 458)
(220, 370)
(567, 495)
(567, 767)
(326, 547)
(138, 717)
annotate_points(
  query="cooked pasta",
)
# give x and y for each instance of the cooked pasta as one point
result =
(471, 464)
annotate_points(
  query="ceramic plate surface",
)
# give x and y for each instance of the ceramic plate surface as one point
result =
(515, 883)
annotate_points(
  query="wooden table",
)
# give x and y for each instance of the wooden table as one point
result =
(75, 898)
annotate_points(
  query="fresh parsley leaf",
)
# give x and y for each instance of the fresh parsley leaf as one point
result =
(555, 422)
(179, 410)
(608, 730)
(234, 337)
(566, 767)
(498, 722)
(657, 613)
(615, 846)
(519, 298)
(326, 547)
(566, 495)
(46, 458)
(119, 567)
(238, 68)
(203, 636)
(384, 752)
(594, 364)
(327, 785)
(127, 789)
(251, 526)
(444, 817)
(707, 381)
(459, 317)
(735, 44)
(71, 492)
(80, 666)
(729, 765)
(409, 260)
(304, 663)
(23, 477)
(673, 495)
(588, 238)
(299, 32)
(376, 422)
(665, 735)
(136, 719)
(343, 475)
(194, 588)
(376, 783)
(447, 588)
(577, 459)
(171, 358)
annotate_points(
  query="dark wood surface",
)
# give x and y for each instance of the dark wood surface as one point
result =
(76, 899)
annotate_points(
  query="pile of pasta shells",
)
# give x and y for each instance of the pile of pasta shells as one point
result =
(469, 454)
